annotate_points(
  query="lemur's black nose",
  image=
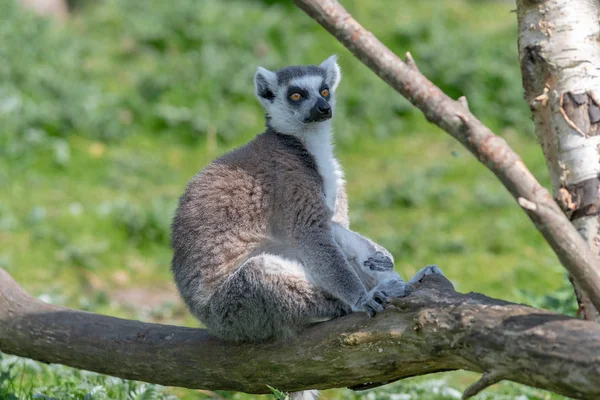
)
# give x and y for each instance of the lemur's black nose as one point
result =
(320, 111)
(324, 108)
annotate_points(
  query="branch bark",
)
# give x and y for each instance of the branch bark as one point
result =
(560, 62)
(434, 329)
(456, 119)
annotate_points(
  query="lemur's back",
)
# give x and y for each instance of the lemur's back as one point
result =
(229, 210)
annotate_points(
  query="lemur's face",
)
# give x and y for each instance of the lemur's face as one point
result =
(297, 99)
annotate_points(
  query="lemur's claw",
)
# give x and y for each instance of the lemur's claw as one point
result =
(379, 262)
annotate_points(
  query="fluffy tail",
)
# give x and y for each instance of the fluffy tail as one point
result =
(305, 395)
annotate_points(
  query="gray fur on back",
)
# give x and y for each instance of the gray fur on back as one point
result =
(231, 214)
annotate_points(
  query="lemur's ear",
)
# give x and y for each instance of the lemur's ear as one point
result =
(333, 71)
(265, 82)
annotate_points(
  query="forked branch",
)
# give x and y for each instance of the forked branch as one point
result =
(434, 329)
(455, 118)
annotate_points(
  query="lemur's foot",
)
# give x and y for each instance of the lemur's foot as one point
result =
(379, 262)
(428, 270)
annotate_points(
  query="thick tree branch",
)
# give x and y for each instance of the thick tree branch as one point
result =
(456, 119)
(434, 329)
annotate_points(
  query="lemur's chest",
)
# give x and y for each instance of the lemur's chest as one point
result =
(328, 167)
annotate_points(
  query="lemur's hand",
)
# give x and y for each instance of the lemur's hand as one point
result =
(372, 303)
(378, 298)
(379, 261)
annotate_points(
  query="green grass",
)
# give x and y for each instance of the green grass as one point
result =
(107, 117)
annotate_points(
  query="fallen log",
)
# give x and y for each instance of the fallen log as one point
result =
(434, 329)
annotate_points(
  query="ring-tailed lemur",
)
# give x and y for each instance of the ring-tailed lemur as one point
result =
(261, 238)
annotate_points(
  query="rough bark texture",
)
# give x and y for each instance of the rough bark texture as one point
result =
(456, 119)
(434, 329)
(559, 52)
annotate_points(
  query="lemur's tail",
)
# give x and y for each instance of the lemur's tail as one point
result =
(305, 395)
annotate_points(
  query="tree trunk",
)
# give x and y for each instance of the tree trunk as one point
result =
(559, 52)
(434, 329)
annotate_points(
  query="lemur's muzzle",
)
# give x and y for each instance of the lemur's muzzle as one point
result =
(321, 111)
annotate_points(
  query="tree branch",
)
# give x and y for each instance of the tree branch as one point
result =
(456, 119)
(434, 329)
(486, 380)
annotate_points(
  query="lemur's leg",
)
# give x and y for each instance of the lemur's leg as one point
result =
(373, 263)
(329, 269)
(269, 296)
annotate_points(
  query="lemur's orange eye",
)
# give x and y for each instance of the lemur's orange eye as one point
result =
(295, 96)
(325, 92)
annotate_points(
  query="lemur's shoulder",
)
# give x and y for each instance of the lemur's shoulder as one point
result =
(271, 153)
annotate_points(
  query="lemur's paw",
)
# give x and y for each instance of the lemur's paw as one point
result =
(373, 303)
(428, 270)
(394, 288)
(379, 262)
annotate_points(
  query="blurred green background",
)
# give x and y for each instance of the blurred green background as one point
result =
(105, 116)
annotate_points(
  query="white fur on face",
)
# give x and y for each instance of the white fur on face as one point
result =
(287, 119)
(311, 83)
(282, 117)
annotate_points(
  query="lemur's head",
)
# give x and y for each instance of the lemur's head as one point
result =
(298, 99)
